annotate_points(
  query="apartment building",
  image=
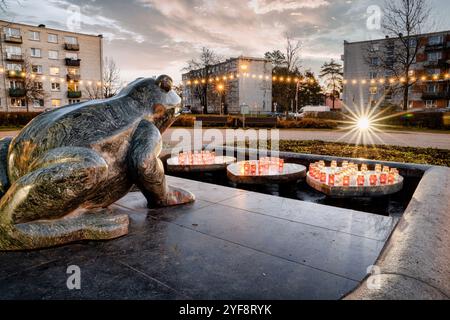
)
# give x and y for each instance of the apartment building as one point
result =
(367, 82)
(229, 86)
(43, 68)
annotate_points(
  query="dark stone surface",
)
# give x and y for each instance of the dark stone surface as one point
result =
(84, 157)
(414, 264)
(229, 244)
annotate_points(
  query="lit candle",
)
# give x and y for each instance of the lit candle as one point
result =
(253, 169)
(373, 179)
(346, 181)
(391, 178)
(331, 180)
(360, 180)
(334, 164)
(323, 176)
(344, 164)
(383, 178)
(364, 168)
(246, 167)
(378, 168)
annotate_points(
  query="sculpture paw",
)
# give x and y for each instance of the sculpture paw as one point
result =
(177, 196)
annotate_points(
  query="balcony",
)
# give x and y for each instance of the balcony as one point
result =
(15, 74)
(17, 92)
(433, 64)
(73, 77)
(73, 94)
(72, 46)
(73, 62)
(435, 47)
(12, 39)
(14, 57)
(440, 95)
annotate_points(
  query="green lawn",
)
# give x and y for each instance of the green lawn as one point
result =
(380, 152)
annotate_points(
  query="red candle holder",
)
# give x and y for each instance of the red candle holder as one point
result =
(331, 179)
(373, 180)
(253, 169)
(323, 177)
(360, 180)
(383, 178)
(391, 178)
(346, 181)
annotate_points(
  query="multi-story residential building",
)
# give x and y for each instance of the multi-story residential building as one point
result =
(368, 81)
(230, 85)
(43, 68)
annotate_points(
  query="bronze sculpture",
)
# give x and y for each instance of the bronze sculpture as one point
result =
(60, 173)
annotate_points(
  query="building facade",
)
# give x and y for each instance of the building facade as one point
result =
(229, 86)
(368, 83)
(43, 68)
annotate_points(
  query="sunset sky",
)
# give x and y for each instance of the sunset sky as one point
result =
(152, 37)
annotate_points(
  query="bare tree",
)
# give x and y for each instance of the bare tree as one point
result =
(110, 84)
(111, 78)
(28, 85)
(292, 54)
(333, 75)
(201, 68)
(404, 21)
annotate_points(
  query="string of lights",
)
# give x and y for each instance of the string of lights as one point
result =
(52, 78)
(294, 80)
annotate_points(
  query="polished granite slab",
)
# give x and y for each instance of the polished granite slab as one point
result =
(229, 244)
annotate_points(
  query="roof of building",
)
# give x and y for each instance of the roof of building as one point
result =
(4, 23)
(394, 38)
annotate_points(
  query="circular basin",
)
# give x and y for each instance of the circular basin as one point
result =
(291, 173)
(354, 190)
(219, 163)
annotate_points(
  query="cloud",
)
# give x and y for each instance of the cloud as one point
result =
(264, 6)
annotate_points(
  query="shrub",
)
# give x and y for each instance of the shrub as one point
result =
(16, 119)
(331, 115)
(307, 123)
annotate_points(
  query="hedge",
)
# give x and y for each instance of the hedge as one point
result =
(16, 119)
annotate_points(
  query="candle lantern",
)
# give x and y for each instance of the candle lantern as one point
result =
(331, 179)
(346, 181)
(253, 169)
(364, 168)
(323, 176)
(391, 178)
(378, 168)
(383, 178)
(360, 180)
(373, 179)
(334, 164)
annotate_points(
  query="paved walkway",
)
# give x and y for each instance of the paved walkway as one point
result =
(396, 138)
(229, 244)
(403, 138)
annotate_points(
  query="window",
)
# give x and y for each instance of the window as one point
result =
(434, 56)
(38, 85)
(35, 52)
(38, 103)
(36, 69)
(435, 40)
(373, 75)
(430, 104)
(53, 38)
(375, 61)
(432, 88)
(433, 72)
(53, 54)
(16, 84)
(373, 90)
(375, 47)
(11, 32)
(13, 50)
(73, 101)
(54, 71)
(56, 86)
(73, 71)
(18, 102)
(70, 40)
(13, 67)
(412, 43)
(72, 55)
(56, 103)
(34, 35)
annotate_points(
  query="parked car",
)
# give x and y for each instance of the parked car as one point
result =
(309, 109)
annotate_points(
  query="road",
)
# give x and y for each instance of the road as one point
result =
(396, 138)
